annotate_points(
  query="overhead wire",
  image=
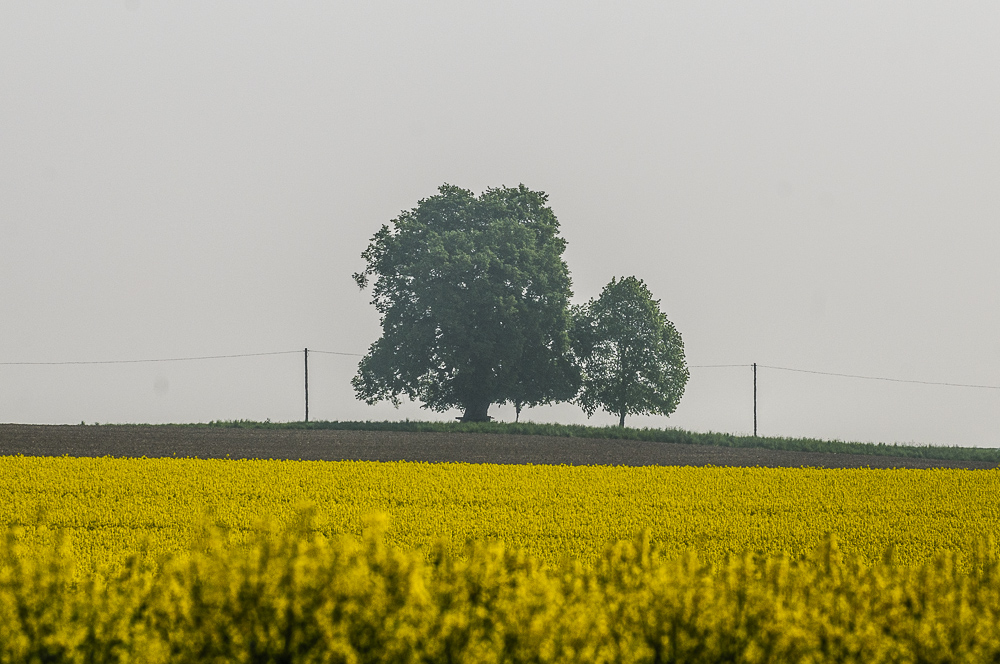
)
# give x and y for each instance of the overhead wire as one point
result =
(333, 352)
(341, 353)
(161, 359)
(892, 380)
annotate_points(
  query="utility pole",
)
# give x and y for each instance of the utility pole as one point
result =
(754, 399)
(307, 383)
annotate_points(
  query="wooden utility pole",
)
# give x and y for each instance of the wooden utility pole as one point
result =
(754, 399)
(307, 383)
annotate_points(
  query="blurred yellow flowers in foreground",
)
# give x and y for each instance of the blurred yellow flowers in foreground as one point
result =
(170, 560)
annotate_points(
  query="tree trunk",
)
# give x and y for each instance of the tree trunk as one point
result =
(517, 411)
(476, 411)
(621, 420)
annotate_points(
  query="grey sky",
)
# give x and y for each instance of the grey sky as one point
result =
(802, 184)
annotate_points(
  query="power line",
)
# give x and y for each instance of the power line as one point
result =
(176, 359)
(333, 352)
(891, 380)
(844, 375)
(164, 359)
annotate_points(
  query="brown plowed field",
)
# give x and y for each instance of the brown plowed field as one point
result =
(214, 442)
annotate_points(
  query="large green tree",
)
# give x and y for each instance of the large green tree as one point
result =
(632, 356)
(473, 295)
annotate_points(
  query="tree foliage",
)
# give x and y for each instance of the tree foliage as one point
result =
(632, 356)
(473, 295)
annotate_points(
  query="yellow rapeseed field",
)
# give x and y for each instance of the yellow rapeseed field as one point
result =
(490, 563)
(112, 506)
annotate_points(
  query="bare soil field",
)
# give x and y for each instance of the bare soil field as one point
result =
(333, 445)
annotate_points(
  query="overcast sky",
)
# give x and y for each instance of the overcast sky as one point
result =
(802, 184)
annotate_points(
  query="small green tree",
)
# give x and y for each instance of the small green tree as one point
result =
(632, 356)
(474, 297)
(544, 375)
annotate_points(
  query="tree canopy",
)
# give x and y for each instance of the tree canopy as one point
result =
(632, 356)
(473, 295)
